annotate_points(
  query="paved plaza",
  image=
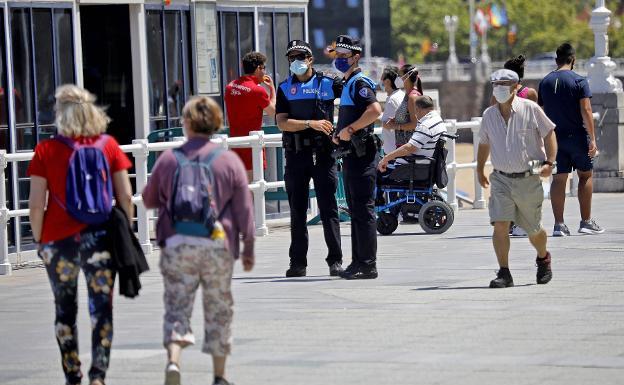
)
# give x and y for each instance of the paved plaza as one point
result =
(428, 319)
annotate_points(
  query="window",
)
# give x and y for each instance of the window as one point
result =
(319, 38)
(4, 93)
(353, 3)
(169, 64)
(265, 31)
(318, 3)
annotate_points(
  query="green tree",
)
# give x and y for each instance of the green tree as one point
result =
(541, 26)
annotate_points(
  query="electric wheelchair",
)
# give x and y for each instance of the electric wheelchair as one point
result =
(410, 190)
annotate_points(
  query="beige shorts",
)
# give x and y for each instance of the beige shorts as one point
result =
(517, 200)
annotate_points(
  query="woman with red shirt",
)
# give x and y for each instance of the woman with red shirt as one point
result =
(65, 244)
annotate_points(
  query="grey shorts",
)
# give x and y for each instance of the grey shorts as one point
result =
(518, 200)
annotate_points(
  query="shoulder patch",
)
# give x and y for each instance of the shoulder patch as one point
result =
(293, 90)
(363, 92)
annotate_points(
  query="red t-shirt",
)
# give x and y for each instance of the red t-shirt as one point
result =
(51, 161)
(245, 101)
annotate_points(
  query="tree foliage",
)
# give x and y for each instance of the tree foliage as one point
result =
(541, 26)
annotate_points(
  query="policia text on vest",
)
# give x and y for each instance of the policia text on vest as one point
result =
(304, 110)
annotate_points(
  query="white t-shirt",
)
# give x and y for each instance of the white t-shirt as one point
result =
(392, 103)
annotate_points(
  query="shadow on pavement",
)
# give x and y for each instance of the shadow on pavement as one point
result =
(464, 287)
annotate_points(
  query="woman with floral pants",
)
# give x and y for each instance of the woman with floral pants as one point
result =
(65, 244)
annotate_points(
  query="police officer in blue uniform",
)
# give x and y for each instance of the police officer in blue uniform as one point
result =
(304, 113)
(358, 112)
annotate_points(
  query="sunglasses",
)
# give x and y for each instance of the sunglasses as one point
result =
(299, 56)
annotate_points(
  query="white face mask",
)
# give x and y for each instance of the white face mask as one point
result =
(502, 93)
(399, 83)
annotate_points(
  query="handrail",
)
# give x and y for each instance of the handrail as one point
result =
(257, 140)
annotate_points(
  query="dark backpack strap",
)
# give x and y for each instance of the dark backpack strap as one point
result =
(179, 155)
(66, 141)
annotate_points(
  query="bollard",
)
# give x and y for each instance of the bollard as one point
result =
(257, 143)
(479, 200)
(140, 163)
(451, 188)
(5, 265)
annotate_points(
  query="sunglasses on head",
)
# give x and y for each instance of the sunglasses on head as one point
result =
(299, 56)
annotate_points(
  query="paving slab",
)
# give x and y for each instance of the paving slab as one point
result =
(428, 319)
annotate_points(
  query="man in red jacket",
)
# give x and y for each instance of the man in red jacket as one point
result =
(246, 100)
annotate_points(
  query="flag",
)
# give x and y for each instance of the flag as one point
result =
(498, 16)
(425, 46)
(480, 22)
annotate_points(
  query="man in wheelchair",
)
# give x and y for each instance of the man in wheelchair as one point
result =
(407, 175)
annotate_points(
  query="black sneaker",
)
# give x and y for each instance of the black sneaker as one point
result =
(503, 279)
(360, 272)
(335, 269)
(544, 273)
(221, 381)
(296, 271)
(590, 227)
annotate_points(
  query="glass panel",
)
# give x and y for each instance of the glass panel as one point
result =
(281, 41)
(64, 46)
(265, 30)
(22, 71)
(4, 94)
(188, 54)
(230, 54)
(157, 94)
(296, 26)
(246, 33)
(44, 70)
(175, 75)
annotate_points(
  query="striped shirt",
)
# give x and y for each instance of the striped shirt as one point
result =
(513, 145)
(427, 133)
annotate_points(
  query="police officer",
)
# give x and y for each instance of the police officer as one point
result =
(358, 112)
(304, 113)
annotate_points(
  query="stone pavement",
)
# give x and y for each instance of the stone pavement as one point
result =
(428, 319)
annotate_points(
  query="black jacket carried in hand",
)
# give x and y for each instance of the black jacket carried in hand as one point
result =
(126, 252)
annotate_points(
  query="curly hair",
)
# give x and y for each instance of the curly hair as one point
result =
(77, 114)
(204, 115)
(516, 65)
(253, 60)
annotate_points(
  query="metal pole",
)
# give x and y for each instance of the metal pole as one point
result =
(258, 178)
(473, 35)
(451, 188)
(5, 265)
(367, 30)
(140, 162)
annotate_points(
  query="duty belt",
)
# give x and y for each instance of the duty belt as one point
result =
(514, 175)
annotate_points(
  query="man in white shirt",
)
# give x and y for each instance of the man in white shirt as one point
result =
(428, 130)
(389, 78)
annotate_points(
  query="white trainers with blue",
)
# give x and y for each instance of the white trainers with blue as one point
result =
(561, 230)
(590, 227)
(517, 231)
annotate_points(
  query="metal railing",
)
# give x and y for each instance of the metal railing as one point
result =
(258, 140)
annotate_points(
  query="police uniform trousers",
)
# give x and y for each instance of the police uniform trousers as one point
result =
(359, 177)
(300, 168)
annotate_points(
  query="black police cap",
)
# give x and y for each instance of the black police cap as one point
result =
(298, 45)
(349, 43)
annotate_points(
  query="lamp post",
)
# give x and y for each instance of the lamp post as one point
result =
(450, 22)
(601, 67)
(486, 66)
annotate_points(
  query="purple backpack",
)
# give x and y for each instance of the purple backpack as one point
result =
(192, 205)
(88, 186)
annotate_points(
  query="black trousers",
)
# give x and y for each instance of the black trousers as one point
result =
(359, 177)
(300, 168)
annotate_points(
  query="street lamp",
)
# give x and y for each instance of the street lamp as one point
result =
(601, 67)
(450, 22)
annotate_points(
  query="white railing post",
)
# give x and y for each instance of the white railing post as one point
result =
(479, 200)
(451, 166)
(5, 265)
(257, 144)
(140, 163)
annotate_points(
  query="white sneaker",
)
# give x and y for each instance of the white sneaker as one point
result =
(517, 231)
(590, 227)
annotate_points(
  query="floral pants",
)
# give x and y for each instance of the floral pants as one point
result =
(63, 260)
(185, 267)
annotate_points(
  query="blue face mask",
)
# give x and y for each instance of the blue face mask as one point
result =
(342, 64)
(298, 67)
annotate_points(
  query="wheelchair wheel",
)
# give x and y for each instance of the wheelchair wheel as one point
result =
(436, 217)
(386, 223)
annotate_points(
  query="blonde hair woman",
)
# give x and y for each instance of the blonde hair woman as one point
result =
(190, 261)
(64, 243)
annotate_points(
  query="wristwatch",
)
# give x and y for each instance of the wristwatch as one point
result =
(551, 164)
(307, 124)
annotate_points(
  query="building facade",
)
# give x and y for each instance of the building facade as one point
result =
(141, 58)
(330, 18)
